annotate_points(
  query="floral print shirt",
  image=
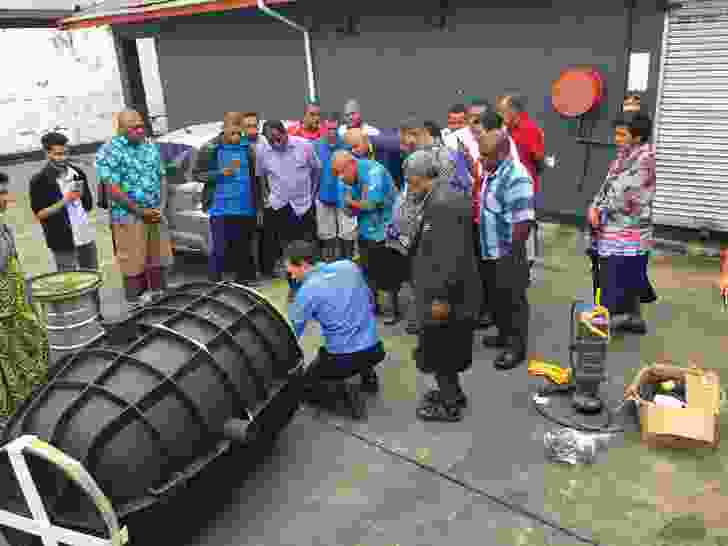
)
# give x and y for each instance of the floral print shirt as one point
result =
(624, 203)
(136, 169)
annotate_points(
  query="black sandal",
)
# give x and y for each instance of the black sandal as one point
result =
(438, 411)
(435, 396)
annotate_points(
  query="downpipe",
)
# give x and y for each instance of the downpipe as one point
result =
(306, 41)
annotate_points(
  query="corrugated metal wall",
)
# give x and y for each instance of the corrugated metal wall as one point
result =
(400, 65)
(692, 143)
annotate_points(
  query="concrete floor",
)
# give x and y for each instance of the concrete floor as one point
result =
(393, 480)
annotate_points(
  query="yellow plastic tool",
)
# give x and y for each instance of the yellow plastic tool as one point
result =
(555, 373)
(598, 311)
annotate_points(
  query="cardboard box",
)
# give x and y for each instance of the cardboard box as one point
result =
(696, 425)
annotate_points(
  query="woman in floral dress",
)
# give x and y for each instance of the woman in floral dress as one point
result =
(23, 341)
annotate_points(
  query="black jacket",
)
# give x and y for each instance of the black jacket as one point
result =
(44, 192)
(444, 266)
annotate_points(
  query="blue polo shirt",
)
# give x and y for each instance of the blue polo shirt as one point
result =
(381, 192)
(233, 194)
(337, 296)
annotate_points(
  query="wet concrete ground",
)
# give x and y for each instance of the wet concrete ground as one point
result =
(393, 480)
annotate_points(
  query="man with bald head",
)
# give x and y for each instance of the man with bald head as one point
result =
(371, 200)
(507, 214)
(132, 171)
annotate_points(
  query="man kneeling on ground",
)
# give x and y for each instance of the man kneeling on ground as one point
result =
(337, 296)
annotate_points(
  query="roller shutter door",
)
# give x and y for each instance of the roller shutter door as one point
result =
(692, 117)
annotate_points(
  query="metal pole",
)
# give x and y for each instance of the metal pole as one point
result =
(307, 45)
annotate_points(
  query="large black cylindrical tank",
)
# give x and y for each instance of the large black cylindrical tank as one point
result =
(146, 413)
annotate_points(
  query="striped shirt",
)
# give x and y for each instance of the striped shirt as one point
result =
(625, 204)
(506, 198)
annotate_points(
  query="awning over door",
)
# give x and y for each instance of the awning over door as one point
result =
(692, 117)
(115, 12)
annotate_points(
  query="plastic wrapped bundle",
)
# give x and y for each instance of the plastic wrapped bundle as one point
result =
(570, 446)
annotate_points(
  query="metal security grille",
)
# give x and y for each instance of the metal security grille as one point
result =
(692, 117)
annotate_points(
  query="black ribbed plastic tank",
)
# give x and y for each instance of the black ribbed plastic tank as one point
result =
(145, 407)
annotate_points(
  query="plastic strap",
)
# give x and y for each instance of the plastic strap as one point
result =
(40, 524)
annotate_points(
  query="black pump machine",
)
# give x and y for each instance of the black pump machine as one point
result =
(589, 337)
(588, 353)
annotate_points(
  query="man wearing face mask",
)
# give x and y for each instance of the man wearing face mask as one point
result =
(61, 200)
(132, 170)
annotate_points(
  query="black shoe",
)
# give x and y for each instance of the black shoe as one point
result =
(494, 342)
(435, 396)
(509, 359)
(396, 318)
(486, 321)
(355, 402)
(633, 325)
(370, 383)
(439, 411)
(412, 329)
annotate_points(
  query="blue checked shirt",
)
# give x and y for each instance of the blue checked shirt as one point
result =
(506, 198)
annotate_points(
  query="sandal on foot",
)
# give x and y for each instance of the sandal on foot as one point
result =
(440, 412)
(434, 396)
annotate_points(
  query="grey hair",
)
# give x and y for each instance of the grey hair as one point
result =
(423, 163)
(352, 105)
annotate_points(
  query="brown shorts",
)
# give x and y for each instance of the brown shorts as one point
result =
(140, 247)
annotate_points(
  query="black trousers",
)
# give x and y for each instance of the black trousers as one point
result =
(269, 247)
(337, 367)
(371, 254)
(485, 305)
(290, 227)
(507, 280)
(232, 247)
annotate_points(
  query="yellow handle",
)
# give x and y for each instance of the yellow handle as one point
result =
(598, 298)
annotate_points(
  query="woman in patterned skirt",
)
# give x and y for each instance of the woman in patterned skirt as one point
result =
(23, 340)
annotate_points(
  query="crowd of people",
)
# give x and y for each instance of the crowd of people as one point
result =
(349, 213)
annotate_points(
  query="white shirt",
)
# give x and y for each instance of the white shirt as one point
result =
(465, 135)
(83, 231)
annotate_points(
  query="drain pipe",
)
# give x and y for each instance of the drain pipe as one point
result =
(307, 45)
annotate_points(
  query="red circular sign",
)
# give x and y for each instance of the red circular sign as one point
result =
(576, 91)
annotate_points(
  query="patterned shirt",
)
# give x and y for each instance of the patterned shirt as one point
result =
(506, 198)
(374, 185)
(136, 169)
(625, 204)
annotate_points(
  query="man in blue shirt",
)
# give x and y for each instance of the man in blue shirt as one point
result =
(336, 296)
(506, 217)
(233, 200)
(336, 230)
(372, 198)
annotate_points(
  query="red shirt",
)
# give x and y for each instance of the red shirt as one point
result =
(529, 140)
(297, 129)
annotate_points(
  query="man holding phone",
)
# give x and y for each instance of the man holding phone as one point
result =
(61, 200)
(233, 199)
(131, 169)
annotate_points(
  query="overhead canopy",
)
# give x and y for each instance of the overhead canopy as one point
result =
(32, 18)
(115, 12)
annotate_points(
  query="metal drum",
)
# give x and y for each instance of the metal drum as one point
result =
(146, 407)
(70, 307)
